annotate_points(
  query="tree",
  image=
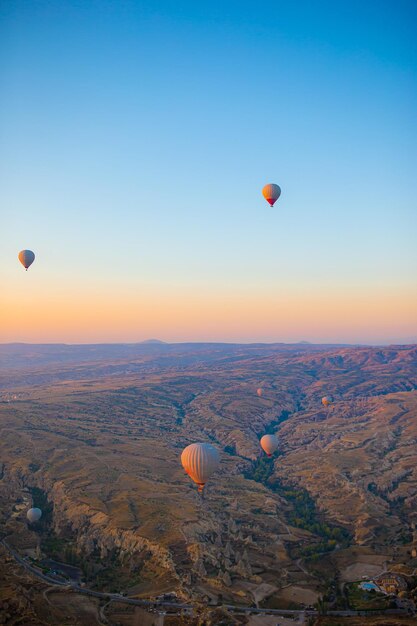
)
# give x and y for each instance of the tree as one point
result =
(321, 606)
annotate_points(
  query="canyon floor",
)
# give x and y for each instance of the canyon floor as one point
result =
(93, 435)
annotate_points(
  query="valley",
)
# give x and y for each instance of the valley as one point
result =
(93, 434)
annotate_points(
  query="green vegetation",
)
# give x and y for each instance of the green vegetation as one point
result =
(362, 600)
(57, 547)
(104, 575)
(303, 512)
(274, 602)
(321, 606)
(53, 546)
(40, 500)
(114, 580)
(262, 469)
(397, 507)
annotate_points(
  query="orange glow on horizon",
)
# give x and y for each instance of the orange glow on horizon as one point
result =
(81, 315)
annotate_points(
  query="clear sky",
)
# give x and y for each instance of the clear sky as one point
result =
(135, 141)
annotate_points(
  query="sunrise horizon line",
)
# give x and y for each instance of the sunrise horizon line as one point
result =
(156, 342)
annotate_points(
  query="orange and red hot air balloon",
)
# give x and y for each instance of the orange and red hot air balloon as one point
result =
(271, 193)
(259, 392)
(327, 401)
(26, 257)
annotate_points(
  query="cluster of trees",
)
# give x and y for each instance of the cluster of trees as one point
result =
(40, 501)
(304, 515)
(303, 512)
(261, 471)
(53, 546)
(70, 555)
(314, 552)
(361, 599)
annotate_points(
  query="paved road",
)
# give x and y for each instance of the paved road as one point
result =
(34, 570)
(115, 597)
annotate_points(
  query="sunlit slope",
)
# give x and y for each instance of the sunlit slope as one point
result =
(359, 461)
(103, 438)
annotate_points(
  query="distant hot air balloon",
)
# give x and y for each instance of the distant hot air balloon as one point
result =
(271, 193)
(26, 257)
(269, 443)
(259, 392)
(34, 515)
(200, 461)
(327, 400)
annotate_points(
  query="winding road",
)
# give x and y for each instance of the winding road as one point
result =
(59, 582)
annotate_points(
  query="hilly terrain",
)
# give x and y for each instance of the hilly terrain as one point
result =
(93, 435)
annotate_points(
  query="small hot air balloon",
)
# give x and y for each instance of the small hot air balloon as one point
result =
(271, 193)
(327, 400)
(26, 257)
(34, 515)
(269, 443)
(259, 392)
(200, 461)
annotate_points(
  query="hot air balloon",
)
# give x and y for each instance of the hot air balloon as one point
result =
(34, 515)
(26, 257)
(327, 400)
(259, 392)
(269, 443)
(271, 193)
(200, 460)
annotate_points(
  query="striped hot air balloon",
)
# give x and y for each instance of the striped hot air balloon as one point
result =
(26, 257)
(200, 461)
(271, 193)
(269, 443)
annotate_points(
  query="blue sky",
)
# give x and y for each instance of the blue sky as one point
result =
(137, 137)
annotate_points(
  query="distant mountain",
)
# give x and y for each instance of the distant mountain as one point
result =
(153, 341)
(28, 356)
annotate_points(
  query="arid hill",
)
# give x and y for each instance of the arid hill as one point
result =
(94, 433)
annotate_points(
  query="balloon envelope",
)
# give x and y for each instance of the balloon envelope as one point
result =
(26, 257)
(259, 392)
(269, 443)
(200, 460)
(271, 193)
(34, 515)
(327, 400)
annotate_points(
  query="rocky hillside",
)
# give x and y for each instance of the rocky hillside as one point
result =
(100, 440)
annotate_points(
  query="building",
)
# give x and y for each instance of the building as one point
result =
(391, 583)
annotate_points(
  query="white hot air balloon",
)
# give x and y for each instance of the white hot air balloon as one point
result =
(26, 257)
(269, 443)
(34, 515)
(200, 461)
(271, 193)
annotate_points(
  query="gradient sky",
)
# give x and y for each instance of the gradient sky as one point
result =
(136, 138)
